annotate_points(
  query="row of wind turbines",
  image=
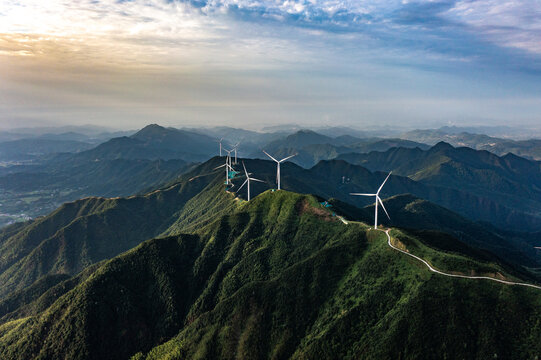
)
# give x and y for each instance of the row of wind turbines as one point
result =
(230, 173)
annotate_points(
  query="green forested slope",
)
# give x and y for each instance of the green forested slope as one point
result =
(280, 277)
(502, 190)
(90, 230)
(93, 229)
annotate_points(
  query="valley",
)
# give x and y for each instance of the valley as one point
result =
(24, 206)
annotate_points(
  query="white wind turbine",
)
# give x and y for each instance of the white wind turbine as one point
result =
(228, 156)
(220, 141)
(235, 148)
(228, 166)
(378, 200)
(278, 166)
(248, 178)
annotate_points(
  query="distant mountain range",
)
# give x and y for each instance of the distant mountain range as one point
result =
(502, 131)
(280, 276)
(312, 147)
(155, 142)
(530, 148)
(249, 140)
(119, 167)
(91, 135)
(509, 186)
(36, 146)
(478, 185)
(31, 149)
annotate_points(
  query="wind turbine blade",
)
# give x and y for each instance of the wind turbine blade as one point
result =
(256, 180)
(244, 183)
(384, 182)
(357, 194)
(383, 206)
(289, 157)
(221, 166)
(270, 156)
(246, 172)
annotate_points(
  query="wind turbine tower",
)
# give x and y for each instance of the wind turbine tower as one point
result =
(278, 166)
(228, 167)
(247, 181)
(235, 148)
(378, 201)
(228, 156)
(220, 142)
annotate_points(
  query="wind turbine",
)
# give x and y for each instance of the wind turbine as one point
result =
(227, 169)
(220, 141)
(235, 148)
(228, 158)
(248, 178)
(378, 200)
(278, 166)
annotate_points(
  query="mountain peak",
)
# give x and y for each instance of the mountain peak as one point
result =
(305, 132)
(151, 130)
(153, 126)
(307, 137)
(442, 145)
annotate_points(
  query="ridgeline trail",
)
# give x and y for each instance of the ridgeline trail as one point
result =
(455, 275)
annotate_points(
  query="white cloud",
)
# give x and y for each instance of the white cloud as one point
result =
(70, 59)
(505, 23)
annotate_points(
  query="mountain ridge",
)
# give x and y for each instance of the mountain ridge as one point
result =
(278, 276)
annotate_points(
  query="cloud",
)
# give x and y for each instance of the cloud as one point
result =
(127, 58)
(515, 24)
(477, 31)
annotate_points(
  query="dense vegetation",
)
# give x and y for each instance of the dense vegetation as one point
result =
(502, 190)
(336, 179)
(410, 212)
(86, 231)
(279, 277)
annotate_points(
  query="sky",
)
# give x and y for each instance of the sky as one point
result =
(127, 63)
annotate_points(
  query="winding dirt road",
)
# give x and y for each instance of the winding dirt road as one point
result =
(454, 275)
